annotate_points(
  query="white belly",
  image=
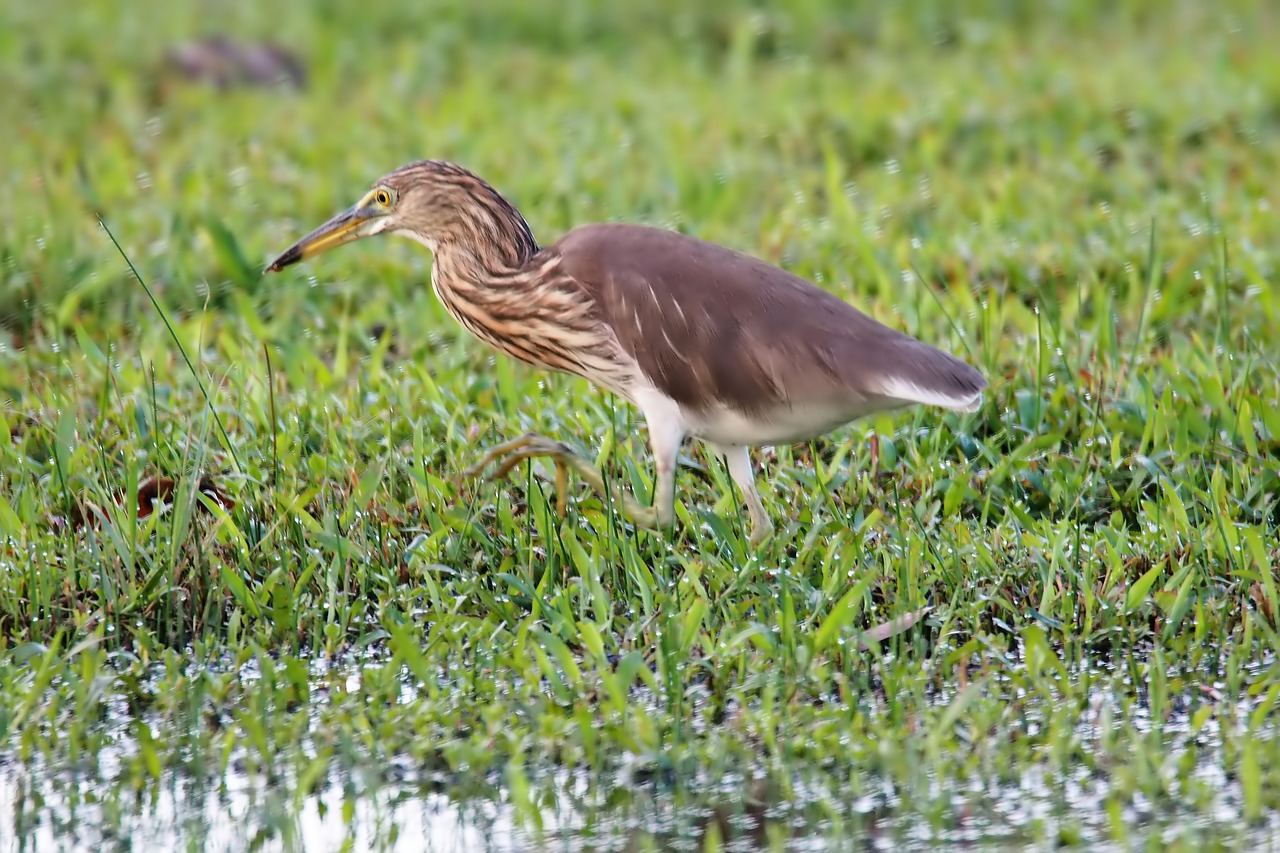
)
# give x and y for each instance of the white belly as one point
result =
(727, 427)
(782, 425)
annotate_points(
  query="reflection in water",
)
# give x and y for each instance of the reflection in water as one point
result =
(97, 806)
(53, 813)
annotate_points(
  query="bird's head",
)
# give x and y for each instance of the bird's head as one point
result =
(430, 201)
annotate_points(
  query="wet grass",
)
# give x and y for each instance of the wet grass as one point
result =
(245, 593)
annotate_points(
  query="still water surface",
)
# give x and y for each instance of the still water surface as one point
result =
(46, 808)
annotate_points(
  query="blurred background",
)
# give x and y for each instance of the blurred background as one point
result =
(1021, 142)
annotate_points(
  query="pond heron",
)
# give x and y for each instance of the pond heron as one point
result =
(706, 342)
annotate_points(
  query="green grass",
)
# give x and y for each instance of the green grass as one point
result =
(338, 630)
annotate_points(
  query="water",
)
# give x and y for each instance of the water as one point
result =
(108, 803)
(49, 811)
(53, 812)
(180, 814)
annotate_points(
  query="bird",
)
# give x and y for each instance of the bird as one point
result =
(707, 342)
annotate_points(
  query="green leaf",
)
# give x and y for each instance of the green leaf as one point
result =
(569, 670)
(619, 682)
(691, 625)
(239, 590)
(846, 609)
(553, 674)
(954, 496)
(592, 640)
(409, 650)
(366, 487)
(232, 260)
(26, 651)
(1251, 780)
(1137, 593)
(954, 711)
(10, 525)
(1180, 607)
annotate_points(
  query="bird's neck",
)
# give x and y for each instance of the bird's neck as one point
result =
(465, 261)
(492, 240)
(480, 267)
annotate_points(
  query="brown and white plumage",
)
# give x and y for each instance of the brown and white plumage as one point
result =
(705, 341)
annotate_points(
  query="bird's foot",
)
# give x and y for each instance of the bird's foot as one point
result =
(531, 445)
(761, 530)
(528, 446)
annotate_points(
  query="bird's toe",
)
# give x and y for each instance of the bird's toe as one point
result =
(760, 533)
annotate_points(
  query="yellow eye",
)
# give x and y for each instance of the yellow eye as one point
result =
(382, 197)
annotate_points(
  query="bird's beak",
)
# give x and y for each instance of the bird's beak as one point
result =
(345, 227)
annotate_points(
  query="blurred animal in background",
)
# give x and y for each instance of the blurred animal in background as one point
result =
(227, 63)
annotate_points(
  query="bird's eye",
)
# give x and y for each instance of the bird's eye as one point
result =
(382, 197)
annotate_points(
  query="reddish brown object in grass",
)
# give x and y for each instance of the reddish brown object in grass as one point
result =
(160, 489)
(154, 490)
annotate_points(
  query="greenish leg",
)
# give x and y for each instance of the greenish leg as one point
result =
(531, 445)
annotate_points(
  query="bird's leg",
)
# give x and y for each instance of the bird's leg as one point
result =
(515, 451)
(532, 445)
(738, 460)
(665, 438)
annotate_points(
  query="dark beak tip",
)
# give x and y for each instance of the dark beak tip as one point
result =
(292, 256)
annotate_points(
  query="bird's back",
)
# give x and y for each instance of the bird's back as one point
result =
(714, 328)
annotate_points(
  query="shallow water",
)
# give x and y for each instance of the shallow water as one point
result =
(180, 816)
(49, 812)
(52, 812)
(399, 807)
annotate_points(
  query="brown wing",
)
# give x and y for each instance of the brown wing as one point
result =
(709, 325)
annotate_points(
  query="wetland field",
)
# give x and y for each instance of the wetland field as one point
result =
(249, 602)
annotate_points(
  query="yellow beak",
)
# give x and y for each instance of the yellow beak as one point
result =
(343, 228)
